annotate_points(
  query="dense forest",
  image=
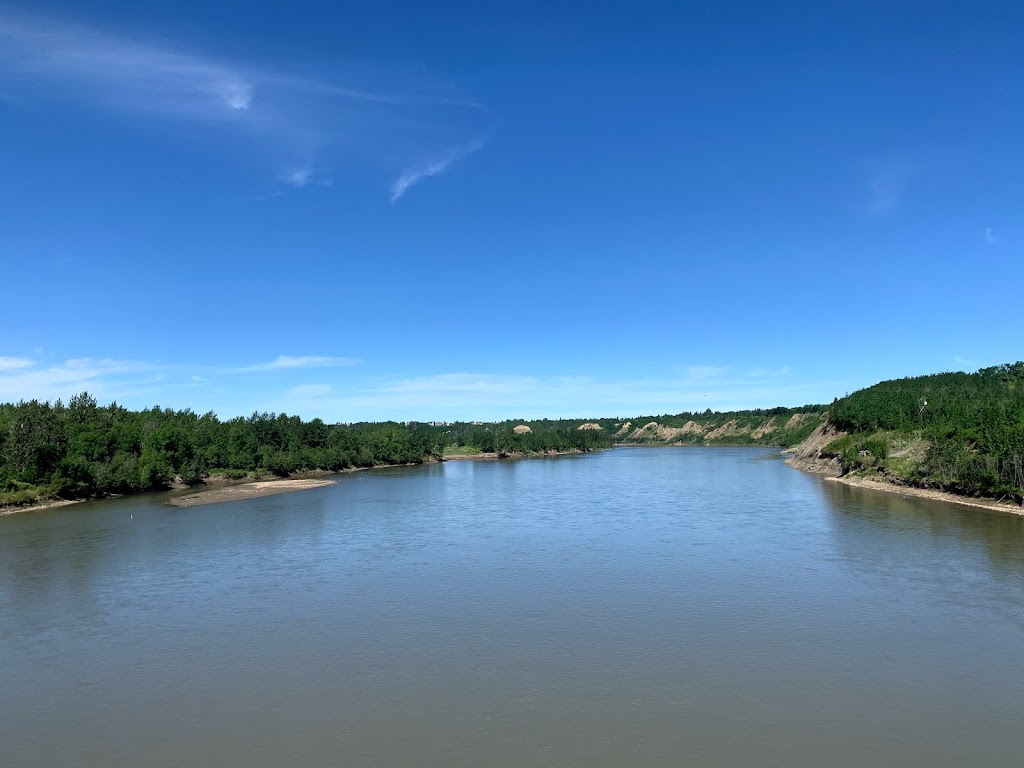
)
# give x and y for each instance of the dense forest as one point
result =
(82, 449)
(962, 432)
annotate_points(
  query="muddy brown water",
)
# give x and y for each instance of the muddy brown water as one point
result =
(636, 607)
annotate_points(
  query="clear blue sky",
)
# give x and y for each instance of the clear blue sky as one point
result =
(463, 210)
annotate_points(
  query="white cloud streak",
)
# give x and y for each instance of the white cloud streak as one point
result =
(990, 236)
(310, 390)
(286, 362)
(771, 373)
(416, 173)
(297, 177)
(128, 73)
(301, 177)
(279, 115)
(467, 396)
(446, 396)
(15, 363)
(101, 377)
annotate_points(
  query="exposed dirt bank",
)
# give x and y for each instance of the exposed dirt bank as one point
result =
(810, 454)
(247, 491)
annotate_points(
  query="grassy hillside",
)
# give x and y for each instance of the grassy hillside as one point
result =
(959, 432)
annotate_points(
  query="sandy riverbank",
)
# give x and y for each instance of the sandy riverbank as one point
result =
(237, 491)
(13, 509)
(1006, 507)
(247, 491)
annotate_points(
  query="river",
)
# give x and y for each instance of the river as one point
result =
(634, 607)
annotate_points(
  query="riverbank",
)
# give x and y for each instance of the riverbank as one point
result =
(13, 509)
(815, 455)
(218, 489)
(992, 505)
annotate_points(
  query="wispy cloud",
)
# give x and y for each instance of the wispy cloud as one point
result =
(414, 174)
(452, 396)
(480, 383)
(15, 363)
(310, 390)
(990, 236)
(444, 396)
(141, 75)
(297, 177)
(888, 186)
(303, 176)
(706, 372)
(966, 364)
(771, 373)
(285, 362)
(283, 117)
(103, 377)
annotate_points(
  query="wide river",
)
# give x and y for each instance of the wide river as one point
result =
(636, 607)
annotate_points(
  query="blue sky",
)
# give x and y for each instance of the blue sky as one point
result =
(462, 210)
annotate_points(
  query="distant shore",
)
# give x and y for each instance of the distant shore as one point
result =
(220, 489)
(1005, 507)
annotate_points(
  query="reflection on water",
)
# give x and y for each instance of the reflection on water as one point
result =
(642, 606)
(1001, 535)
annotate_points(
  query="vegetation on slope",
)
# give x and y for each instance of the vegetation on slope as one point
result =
(773, 426)
(959, 432)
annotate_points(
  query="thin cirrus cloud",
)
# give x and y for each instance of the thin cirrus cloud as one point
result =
(889, 184)
(303, 176)
(286, 363)
(26, 379)
(15, 363)
(470, 396)
(416, 173)
(990, 236)
(286, 119)
(448, 396)
(120, 71)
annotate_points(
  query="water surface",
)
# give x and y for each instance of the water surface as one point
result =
(641, 607)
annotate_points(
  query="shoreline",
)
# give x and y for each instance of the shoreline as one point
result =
(227, 490)
(991, 505)
(223, 490)
(13, 509)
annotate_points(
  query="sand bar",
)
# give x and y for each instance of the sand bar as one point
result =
(247, 491)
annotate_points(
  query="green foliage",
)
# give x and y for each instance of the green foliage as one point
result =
(83, 450)
(973, 424)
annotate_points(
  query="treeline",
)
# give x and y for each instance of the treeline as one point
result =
(972, 424)
(546, 435)
(83, 450)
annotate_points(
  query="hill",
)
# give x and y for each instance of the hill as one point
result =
(957, 432)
